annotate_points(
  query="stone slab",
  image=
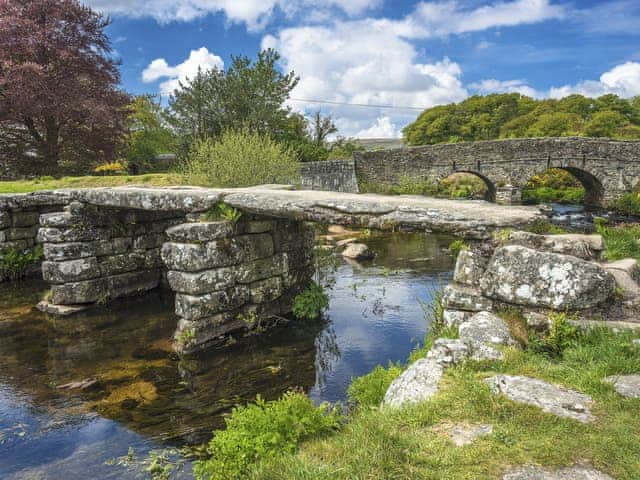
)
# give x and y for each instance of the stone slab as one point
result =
(540, 473)
(626, 385)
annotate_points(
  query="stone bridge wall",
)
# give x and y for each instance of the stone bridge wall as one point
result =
(607, 168)
(331, 175)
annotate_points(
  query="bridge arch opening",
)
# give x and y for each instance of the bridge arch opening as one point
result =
(568, 185)
(467, 184)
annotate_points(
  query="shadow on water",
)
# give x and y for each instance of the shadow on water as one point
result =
(138, 394)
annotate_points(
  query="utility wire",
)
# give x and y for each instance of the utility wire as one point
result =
(329, 102)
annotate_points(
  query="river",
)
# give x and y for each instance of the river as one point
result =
(147, 402)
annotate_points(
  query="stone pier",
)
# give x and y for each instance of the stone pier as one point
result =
(232, 276)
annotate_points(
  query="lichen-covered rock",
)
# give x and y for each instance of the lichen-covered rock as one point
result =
(75, 234)
(550, 398)
(453, 318)
(626, 385)
(460, 297)
(572, 473)
(262, 269)
(448, 352)
(486, 328)
(357, 251)
(523, 276)
(71, 270)
(587, 247)
(189, 257)
(469, 268)
(202, 282)
(193, 307)
(266, 290)
(201, 232)
(627, 276)
(416, 384)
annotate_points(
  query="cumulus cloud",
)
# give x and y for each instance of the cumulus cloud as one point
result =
(622, 80)
(383, 128)
(254, 13)
(173, 75)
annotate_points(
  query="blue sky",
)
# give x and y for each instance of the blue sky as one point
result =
(400, 53)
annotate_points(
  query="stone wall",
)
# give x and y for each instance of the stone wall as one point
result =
(19, 223)
(607, 168)
(331, 175)
(95, 254)
(235, 276)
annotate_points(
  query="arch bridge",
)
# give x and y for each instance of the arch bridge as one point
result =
(606, 168)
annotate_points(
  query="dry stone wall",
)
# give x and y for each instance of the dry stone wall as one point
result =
(94, 254)
(235, 276)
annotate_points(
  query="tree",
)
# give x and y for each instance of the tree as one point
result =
(605, 124)
(58, 84)
(149, 136)
(248, 95)
(321, 128)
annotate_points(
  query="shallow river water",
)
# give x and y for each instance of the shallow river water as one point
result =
(147, 399)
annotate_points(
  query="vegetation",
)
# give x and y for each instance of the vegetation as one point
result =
(311, 303)
(377, 443)
(554, 185)
(113, 168)
(456, 247)
(15, 263)
(60, 106)
(458, 185)
(562, 336)
(513, 115)
(149, 135)
(628, 204)
(239, 159)
(620, 241)
(49, 183)
(264, 431)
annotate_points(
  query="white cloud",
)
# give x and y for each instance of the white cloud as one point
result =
(254, 13)
(623, 80)
(160, 69)
(505, 86)
(383, 128)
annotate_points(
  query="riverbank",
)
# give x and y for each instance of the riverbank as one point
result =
(93, 181)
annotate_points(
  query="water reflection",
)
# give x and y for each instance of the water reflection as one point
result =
(137, 393)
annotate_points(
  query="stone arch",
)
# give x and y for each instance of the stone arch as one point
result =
(594, 189)
(490, 195)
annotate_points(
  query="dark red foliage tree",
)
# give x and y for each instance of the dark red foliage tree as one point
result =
(59, 98)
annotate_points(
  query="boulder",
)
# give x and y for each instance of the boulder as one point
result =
(416, 384)
(460, 297)
(627, 275)
(550, 398)
(587, 247)
(486, 328)
(626, 385)
(453, 318)
(448, 352)
(469, 268)
(572, 473)
(523, 276)
(358, 251)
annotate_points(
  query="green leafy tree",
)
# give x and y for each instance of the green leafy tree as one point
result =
(605, 124)
(149, 135)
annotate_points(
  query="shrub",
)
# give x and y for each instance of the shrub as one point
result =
(113, 168)
(264, 430)
(628, 204)
(369, 390)
(240, 159)
(562, 335)
(15, 263)
(545, 227)
(311, 303)
(456, 247)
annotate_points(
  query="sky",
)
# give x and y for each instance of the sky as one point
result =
(395, 56)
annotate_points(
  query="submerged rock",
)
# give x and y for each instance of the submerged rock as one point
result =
(550, 398)
(358, 251)
(523, 276)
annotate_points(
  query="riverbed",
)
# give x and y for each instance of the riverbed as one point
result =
(103, 395)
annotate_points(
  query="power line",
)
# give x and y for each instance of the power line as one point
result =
(368, 105)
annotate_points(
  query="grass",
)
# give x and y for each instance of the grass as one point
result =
(402, 444)
(621, 241)
(566, 195)
(50, 183)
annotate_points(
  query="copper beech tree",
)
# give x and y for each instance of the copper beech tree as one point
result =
(59, 96)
